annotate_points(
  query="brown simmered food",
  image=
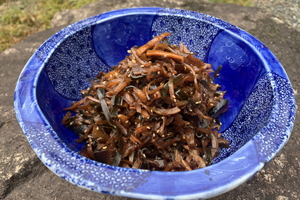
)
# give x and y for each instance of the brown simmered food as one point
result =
(157, 109)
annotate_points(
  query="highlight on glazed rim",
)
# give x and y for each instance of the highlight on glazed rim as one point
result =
(157, 109)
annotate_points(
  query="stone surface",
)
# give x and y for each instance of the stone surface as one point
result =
(22, 174)
(288, 10)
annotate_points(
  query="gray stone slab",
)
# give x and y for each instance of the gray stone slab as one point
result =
(22, 174)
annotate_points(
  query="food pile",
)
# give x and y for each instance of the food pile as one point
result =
(157, 110)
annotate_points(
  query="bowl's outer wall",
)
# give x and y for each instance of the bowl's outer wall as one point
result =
(258, 123)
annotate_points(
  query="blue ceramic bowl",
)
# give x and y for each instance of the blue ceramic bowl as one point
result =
(258, 122)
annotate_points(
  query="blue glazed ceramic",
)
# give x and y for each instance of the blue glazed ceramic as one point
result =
(258, 122)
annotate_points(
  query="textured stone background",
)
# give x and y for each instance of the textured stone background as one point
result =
(22, 174)
(287, 10)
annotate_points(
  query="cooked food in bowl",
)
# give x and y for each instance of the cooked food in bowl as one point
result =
(257, 124)
(157, 109)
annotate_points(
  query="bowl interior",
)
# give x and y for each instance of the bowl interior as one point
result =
(82, 54)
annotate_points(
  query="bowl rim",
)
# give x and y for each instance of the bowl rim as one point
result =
(27, 83)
